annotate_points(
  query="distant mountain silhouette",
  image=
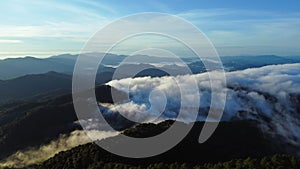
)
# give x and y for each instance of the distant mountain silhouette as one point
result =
(232, 63)
(16, 67)
(30, 86)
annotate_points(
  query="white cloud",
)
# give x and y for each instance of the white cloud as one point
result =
(10, 41)
(51, 19)
(259, 93)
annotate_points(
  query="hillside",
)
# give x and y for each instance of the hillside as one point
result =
(40, 121)
(232, 140)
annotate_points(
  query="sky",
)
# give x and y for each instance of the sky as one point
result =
(235, 27)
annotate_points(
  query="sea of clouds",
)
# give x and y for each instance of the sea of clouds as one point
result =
(269, 95)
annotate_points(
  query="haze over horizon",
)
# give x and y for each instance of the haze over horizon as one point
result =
(46, 28)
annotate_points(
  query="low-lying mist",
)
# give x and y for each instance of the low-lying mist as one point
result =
(36, 155)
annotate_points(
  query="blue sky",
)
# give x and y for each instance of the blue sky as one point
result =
(236, 27)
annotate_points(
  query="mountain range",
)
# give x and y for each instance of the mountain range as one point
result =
(38, 120)
(15, 67)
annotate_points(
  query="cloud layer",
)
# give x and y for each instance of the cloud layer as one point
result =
(269, 95)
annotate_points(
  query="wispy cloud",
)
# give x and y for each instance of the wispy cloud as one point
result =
(253, 31)
(71, 8)
(100, 6)
(48, 26)
(75, 21)
(67, 30)
(57, 19)
(10, 41)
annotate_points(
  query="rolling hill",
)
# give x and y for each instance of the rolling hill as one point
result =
(233, 140)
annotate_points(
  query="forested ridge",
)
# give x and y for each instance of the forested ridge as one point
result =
(230, 147)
